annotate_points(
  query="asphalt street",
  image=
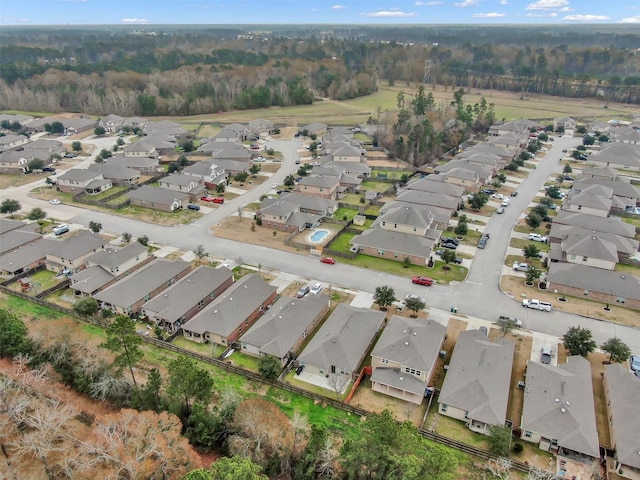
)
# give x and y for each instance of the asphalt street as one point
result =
(478, 296)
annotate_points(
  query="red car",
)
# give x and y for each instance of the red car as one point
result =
(212, 199)
(423, 281)
(219, 200)
(328, 260)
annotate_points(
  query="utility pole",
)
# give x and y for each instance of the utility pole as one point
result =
(427, 71)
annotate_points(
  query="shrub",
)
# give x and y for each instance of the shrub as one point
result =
(517, 447)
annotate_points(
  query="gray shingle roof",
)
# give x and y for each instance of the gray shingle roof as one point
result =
(133, 288)
(133, 162)
(618, 187)
(393, 241)
(591, 247)
(411, 342)
(115, 172)
(90, 279)
(573, 234)
(343, 338)
(558, 403)
(225, 313)
(593, 222)
(284, 323)
(79, 175)
(183, 295)
(397, 379)
(7, 225)
(320, 181)
(112, 256)
(23, 256)
(161, 196)
(479, 377)
(14, 238)
(428, 185)
(427, 198)
(624, 386)
(594, 279)
(408, 215)
(76, 246)
(179, 180)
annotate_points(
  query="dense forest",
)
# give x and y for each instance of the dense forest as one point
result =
(183, 70)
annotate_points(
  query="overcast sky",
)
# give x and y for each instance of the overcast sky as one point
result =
(91, 12)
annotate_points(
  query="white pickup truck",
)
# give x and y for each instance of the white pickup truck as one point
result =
(537, 305)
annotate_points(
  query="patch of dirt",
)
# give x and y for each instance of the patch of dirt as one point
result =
(240, 230)
(454, 328)
(514, 287)
(597, 361)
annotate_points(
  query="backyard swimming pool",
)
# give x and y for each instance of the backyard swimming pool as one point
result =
(317, 236)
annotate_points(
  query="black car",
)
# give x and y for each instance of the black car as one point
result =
(488, 191)
(48, 169)
(451, 246)
(193, 206)
(457, 260)
(514, 194)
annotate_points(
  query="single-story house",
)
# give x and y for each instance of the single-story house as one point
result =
(340, 345)
(315, 128)
(144, 165)
(44, 148)
(405, 356)
(182, 300)
(158, 198)
(141, 148)
(211, 173)
(612, 225)
(126, 296)
(8, 142)
(111, 122)
(231, 313)
(394, 245)
(116, 174)
(15, 162)
(476, 387)
(282, 330)
(620, 386)
(194, 186)
(558, 412)
(603, 286)
(24, 257)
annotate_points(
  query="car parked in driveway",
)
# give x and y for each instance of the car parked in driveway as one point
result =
(634, 363)
(327, 260)
(514, 194)
(500, 211)
(422, 281)
(303, 291)
(536, 237)
(499, 196)
(316, 289)
(193, 206)
(54, 201)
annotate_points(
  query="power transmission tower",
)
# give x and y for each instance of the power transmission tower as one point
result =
(427, 71)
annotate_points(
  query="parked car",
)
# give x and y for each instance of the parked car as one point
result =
(505, 203)
(327, 260)
(514, 193)
(316, 289)
(568, 178)
(54, 201)
(499, 196)
(218, 200)
(500, 211)
(457, 260)
(449, 245)
(488, 191)
(545, 357)
(60, 229)
(536, 237)
(520, 267)
(48, 169)
(303, 291)
(537, 305)
(70, 155)
(275, 185)
(422, 281)
(634, 363)
(415, 297)
(482, 243)
(193, 206)
(206, 198)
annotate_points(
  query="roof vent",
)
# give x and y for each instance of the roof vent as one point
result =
(622, 277)
(230, 299)
(401, 378)
(404, 331)
(563, 410)
(406, 343)
(567, 402)
(414, 334)
(215, 311)
(557, 400)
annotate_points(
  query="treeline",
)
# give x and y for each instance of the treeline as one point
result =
(189, 71)
(46, 434)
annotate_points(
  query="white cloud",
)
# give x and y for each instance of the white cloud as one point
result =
(504, 2)
(547, 5)
(586, 18)
(338, 7)
(467, 3)
(134, 20)
(488, 15)
(540, 15)
(10, 20)
(635, 19)
(388, 13)
(420, 3)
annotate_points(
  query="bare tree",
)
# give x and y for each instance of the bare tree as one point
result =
(499, 468)
(337, 382)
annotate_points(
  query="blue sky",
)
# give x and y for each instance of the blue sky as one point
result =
(138, 12)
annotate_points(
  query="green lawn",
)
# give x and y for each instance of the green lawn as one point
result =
(373, 210)
(632, 221)
(106, 193)
(352, 199)
(521, 243)
(345, 212)
(393, 174)
(28, 309)
(452, 428)
(341, 242)
(245, 361)
(377, 186)
(201, 348)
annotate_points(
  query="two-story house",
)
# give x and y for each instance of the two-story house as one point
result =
(194, 186)
(69, 255)
(405, 356)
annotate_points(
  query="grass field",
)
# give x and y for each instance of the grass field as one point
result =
(345, 212)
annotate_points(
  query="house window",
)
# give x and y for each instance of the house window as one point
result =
(380, 252)
(586, 292)
(384, 224)
(201, 304)
(527, 434)
(395, 255)
(573, 257)
(385, 361)
(585, 258)
(443, 407)
(621, 300)
(466, 415)
(415, 229)
(395, 225)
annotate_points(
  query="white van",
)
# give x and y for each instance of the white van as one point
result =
(537, 305)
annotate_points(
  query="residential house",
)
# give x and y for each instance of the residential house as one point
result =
(558, 413)
(44, 149)
(8, 224)
(69, 255)
(260, 127)
(466, 173)
(294, 212)
(429, 185)
(141, 148)
(320, 186)
(337, 134)
(520, 127)
(505, 155)
(613, 225)
(339, 347)
(432, 199)
(476, 387)
(620, 386)
(315, 128)
(7, 142)
(227, 135)
(565, 124)
(158, 198)
(15, 162)
(182, 300)
(405, 356)
(604, 286)
(623, 193)
(360, 170)
(231, 313)
(282, 330)
(166, 127)
(593, 200)
(77, 180)
(24, 257)
(145, 165)
(406, 219)
(211, 173)
(578, 240)
(16, 118)
(232, 167)
(136, 122)
(163, 144)
(112, 122)
(116, 174)
(394, 245)
(622, 156)
(194, 186)
(73, 126)
(441, 216)
(107, 266)
(348, 154)
(12, 239)
(606, 173)
(126, 296)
